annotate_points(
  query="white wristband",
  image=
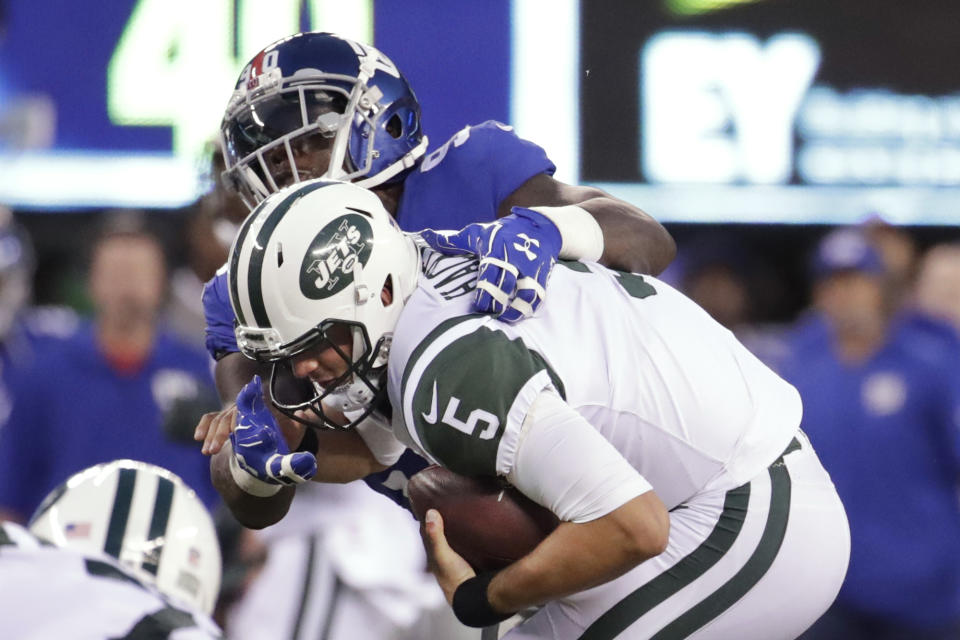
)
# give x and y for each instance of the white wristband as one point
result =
(250, 483)
(581, 235)
(376, 432)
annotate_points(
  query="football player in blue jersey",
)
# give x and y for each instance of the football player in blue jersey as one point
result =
(315, 104)
(880, 392)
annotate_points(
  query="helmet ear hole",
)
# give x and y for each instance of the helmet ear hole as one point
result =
(394, 126)
(386, 291)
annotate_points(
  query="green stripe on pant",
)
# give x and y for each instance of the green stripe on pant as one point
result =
(751, 572)
(700, 560)
(685, 571)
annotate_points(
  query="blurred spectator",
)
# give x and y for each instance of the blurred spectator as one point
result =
(103, 392)
(881, 403)
(937, 290)
(721, 275)
(898, 250)
(22, 328)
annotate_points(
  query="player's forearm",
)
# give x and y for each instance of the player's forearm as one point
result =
(233, 371)
(580, 556)
(249, 510)
(632, 240)
(342, 456)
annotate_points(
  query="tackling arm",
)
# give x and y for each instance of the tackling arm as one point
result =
(633, 241)
(341, 456)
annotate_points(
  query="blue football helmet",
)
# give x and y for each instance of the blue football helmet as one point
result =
(326, 89)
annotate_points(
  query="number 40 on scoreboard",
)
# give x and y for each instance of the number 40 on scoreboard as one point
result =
(176, 61)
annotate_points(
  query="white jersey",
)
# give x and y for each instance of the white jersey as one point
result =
(672, 390)
(55, 592)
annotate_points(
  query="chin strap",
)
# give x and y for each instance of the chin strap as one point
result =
(404, 163)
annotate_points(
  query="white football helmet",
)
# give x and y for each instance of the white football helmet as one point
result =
(147, 518)
(313, 256)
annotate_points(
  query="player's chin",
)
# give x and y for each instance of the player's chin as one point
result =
(329, 418)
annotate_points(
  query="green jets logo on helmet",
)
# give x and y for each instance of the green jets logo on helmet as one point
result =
(333, 255)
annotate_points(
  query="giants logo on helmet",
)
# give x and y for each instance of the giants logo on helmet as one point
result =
(333, 255)
(252, 75)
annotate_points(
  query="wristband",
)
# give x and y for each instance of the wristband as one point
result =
(310, 444)
(580, 234)
(471, 605)
(250, 483)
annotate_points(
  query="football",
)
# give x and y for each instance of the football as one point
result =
(486, 521)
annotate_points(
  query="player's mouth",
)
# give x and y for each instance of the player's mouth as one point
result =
(285, 178)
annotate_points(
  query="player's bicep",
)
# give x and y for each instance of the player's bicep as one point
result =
(564, 464)
(545, 190)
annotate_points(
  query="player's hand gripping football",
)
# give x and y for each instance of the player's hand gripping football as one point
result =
(260, 450)
(449, 568)
(517, 253)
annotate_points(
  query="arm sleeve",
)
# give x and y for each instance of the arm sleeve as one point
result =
(516, 160)
(377, 434)
(564, 464)
(220, 338)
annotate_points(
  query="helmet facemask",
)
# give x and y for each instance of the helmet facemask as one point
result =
(277, 123)
(370, 140)
(358, 389)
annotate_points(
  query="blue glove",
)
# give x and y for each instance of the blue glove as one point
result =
(517, 253)
(260, 451)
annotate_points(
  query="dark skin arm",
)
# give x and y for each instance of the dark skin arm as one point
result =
(342, 456)
(633, 241)
(231, 373)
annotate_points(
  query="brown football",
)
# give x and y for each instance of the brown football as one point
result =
(486, 521)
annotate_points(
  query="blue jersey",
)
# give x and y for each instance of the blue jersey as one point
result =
(888, 431)
(461, 182)
(72, 409)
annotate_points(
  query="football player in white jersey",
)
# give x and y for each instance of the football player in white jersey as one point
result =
(690, 503)
(121, 550)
